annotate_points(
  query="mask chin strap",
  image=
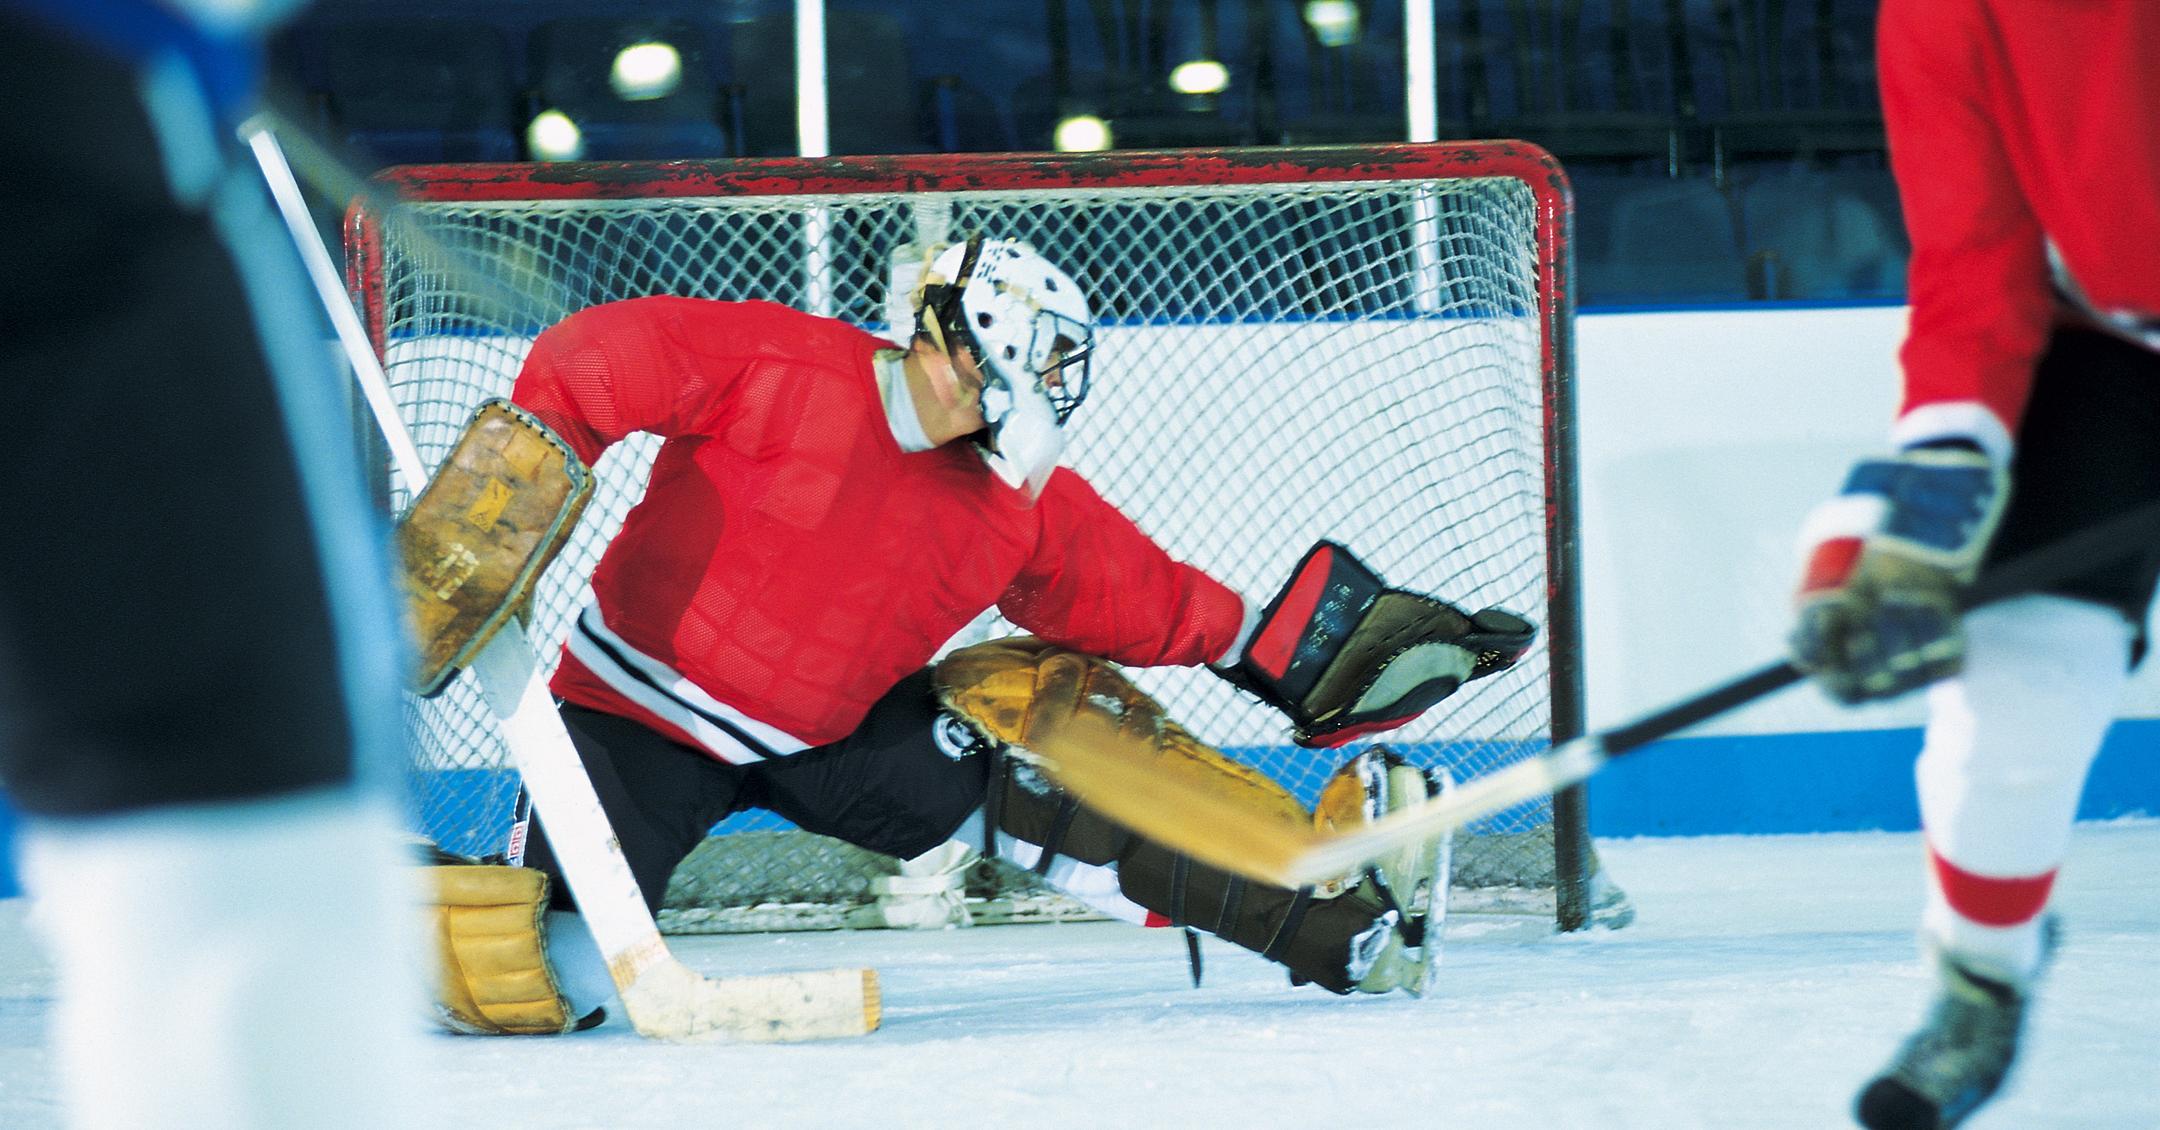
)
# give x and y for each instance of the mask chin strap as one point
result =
(1024, 446)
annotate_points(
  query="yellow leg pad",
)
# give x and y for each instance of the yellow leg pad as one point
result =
(492, 976)
(1021, 690)
(1344, 802)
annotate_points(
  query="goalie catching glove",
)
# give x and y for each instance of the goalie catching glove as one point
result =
(1344, 655)
(1879, 605)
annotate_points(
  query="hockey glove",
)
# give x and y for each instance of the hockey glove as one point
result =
(1887, 560)
(1344, 655)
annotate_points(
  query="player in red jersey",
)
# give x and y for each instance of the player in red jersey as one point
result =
(827, 511)
(2025, 137)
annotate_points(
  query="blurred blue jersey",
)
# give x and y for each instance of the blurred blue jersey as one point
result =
(221, 45)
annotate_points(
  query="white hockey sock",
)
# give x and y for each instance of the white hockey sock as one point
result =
(580, 970)
(2008, 745)
(238, 966)
(1095, 884)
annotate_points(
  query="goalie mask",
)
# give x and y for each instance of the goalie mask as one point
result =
(1027, 327)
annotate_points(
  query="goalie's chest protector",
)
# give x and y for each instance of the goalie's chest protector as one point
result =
(795, 563)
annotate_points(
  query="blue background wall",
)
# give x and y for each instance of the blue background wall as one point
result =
(1857, 780)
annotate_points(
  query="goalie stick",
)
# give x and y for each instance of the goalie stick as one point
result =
(1113, 775)
(664, 998)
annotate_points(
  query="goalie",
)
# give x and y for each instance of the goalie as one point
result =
(826, 511)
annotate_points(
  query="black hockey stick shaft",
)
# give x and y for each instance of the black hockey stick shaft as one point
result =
(2098, 544)
(1197, 821)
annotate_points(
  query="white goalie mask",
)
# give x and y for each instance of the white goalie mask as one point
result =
(1027, 327)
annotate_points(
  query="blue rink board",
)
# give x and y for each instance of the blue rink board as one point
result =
(1761, 783)
(1846, 781)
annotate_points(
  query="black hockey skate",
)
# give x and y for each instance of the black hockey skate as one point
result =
(1957, 1059)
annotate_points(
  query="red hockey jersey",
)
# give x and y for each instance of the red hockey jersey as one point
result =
(2017, 126)
(789, 563)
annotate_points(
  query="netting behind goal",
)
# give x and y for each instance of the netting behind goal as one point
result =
(1368, 344)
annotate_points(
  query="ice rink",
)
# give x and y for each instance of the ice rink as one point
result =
(1763, 978)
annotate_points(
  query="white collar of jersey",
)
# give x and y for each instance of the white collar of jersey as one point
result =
(900, 411)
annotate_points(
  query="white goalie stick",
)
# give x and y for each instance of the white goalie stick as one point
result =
(1113, 774)
(664, 998)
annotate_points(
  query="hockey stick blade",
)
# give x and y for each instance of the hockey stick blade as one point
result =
(663, 998)
(1112, 772)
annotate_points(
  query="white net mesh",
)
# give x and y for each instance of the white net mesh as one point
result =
(1276, 363)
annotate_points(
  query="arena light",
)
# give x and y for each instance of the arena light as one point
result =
(1081, 133)
(1334, 22)
(1200, 76)
(552, 136)
(644, 71)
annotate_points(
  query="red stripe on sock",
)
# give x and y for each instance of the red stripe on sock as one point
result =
(1830, 564)
(1338, 737)
(1988, 900)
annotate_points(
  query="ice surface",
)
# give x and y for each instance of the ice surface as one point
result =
(1764, 978)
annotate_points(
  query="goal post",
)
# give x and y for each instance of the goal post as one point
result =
(1369, 343)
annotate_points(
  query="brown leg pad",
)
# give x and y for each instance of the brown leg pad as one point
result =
(1021, 689)
(1251, 917)
(492, 975)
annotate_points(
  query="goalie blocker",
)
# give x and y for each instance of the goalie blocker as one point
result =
(477, 538)
(1344, 655)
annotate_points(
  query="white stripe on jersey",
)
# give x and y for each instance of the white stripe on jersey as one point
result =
(727, 732)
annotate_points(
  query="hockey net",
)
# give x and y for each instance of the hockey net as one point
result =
(1368, 344)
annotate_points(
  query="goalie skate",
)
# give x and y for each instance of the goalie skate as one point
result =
(1407, 886)
(1955, 1062)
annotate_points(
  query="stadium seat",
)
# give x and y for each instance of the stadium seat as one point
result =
(1826, 235)
(1649, 239)
(866, 77)
(955, 117)
(1038, 105)
(571, 60)
(1773, 78)
(1587, 85)
(420, 90)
